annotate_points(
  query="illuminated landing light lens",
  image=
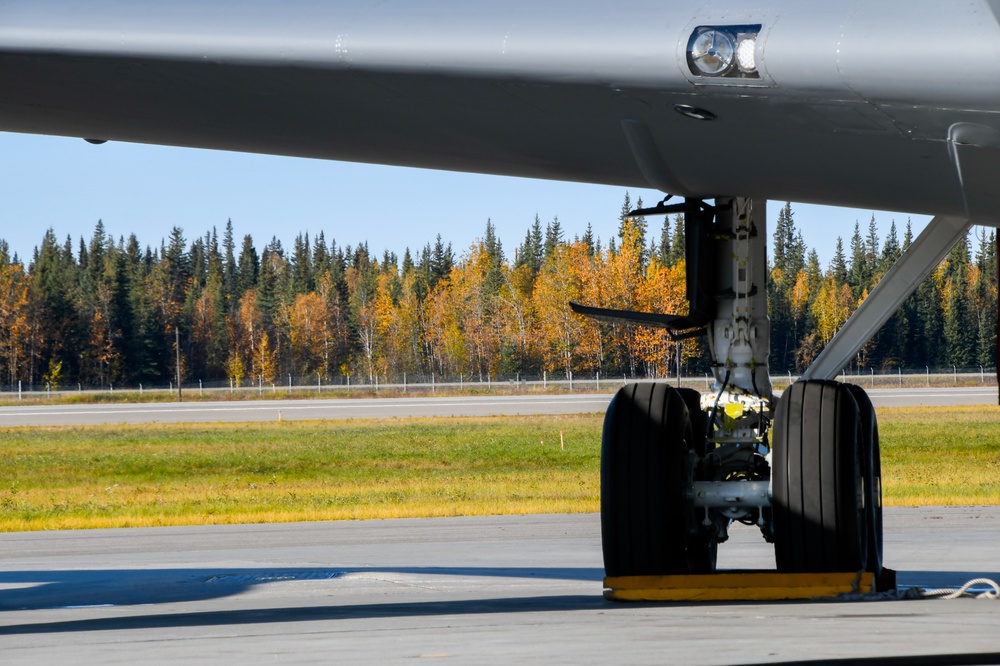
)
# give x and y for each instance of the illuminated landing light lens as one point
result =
(694, 112)
(713, 53)
(746, 56)
(722, 53)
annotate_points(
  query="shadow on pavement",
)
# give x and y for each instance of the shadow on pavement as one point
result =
(37, 590)
(259, 616)
(141, 589)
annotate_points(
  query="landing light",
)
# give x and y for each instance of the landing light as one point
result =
(724, 52)
(713, 53)
(746, 57)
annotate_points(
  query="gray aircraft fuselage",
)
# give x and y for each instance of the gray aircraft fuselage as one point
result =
(891, 104)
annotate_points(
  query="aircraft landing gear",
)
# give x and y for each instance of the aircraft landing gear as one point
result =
(678, 468)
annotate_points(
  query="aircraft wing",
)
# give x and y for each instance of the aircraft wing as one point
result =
(890, 105)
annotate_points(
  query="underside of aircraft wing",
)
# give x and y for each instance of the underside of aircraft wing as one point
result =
(849, 103)
(882, 104)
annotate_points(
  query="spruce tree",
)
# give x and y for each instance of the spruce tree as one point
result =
(320, 257)
(663, 253)
(858, 272)
(838, 265)
(229, 267)
(589, 241)
(302, 279)
(678, 245)
(553, 237)
(891, 250)
(248, 271)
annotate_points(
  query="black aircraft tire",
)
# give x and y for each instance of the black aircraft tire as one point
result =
(699, 419)
(703, 551)
(817, 476)
(644, 444)
(871, 457)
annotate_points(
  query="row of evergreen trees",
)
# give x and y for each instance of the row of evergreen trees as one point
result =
(110, 312)
(949, 321)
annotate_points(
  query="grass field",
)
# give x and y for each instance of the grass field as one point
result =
(117, 476)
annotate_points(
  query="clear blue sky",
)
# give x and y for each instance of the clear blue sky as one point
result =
(68, 185)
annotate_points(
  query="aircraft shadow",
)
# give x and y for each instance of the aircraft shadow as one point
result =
(138, 588)
(262, 616)
(38, 590)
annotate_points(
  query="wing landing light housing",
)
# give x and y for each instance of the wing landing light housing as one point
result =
(724, 52)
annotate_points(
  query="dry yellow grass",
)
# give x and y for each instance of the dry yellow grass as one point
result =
(130, 476)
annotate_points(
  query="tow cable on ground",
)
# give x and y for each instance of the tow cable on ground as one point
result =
(946, 593)
(965, 591)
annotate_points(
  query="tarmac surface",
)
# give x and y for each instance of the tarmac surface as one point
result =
(463, 590)
(360, 408)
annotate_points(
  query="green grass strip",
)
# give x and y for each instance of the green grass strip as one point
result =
(119, 476)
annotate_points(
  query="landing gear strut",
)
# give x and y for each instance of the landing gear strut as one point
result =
(678, 468)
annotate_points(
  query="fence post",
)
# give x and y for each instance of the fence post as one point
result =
(545, 380)
(230, 384)
(954, 370)
(19, 396)
(873, 377)
(598, 381)
(900, 369)
(433, 386)
(200, 388)
(570, 373)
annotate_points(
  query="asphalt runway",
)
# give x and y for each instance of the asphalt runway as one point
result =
(462, 590)
(362, 408)
(297, 410)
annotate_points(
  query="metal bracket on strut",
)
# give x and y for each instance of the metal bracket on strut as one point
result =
(662, 208)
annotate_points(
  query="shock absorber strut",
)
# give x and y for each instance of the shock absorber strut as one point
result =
(740, 335)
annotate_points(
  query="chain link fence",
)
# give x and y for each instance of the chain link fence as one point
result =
(348, 385)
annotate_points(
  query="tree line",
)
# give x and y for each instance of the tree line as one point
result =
(112, 312)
